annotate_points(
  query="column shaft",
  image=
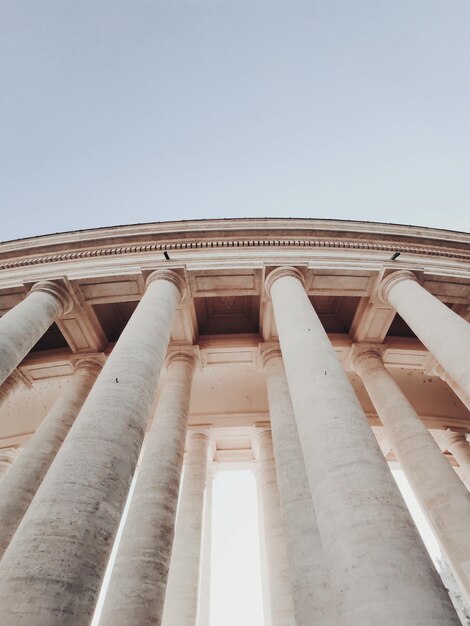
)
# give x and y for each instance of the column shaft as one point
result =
(262, 551)
(206, 556)
(443, 332)
(51, 572)
(280, 586)
(23, 326)
(438, 488)
(183, 580)
(310, 586)
(20, 486)
(136, 591)
(379, 570)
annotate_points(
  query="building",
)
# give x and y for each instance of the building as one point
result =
(317, 349)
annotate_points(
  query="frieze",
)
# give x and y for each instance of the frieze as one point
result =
(241, 243)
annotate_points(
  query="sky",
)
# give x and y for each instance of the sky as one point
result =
(115, 112)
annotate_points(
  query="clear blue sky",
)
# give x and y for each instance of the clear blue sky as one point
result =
(120, 111)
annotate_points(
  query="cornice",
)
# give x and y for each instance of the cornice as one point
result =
(24, 258)
(207, 226)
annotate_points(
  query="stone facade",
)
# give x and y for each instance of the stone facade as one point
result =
(307, 350)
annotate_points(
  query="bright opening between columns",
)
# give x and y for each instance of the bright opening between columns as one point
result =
(236, 595)
(236, 588)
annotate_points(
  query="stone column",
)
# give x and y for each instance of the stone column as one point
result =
(443, 332)
(437, 487)
(7, 457)
(206, 556)
(19, 487)
(262, 548)
(183, 579)
(310, 586)
(51, 572)
(23, 326)
(459, 447)
(379, 569)
(279, 582)
(136, 591)
(12, 383)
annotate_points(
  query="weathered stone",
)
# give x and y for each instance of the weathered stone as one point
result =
(437, 487)
(136, 592)
(51, 572)
(443, 332)
(181, 599)
(25, 324)
(20, 486)
(311, 591)
(379, 569)
(279, 580)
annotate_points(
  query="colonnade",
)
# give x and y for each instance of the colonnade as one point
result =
(340, 544)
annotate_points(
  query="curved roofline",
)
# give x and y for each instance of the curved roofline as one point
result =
(234, 232)
(237, 221)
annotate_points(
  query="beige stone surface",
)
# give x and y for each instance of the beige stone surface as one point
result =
(437, 487)
(51, 572)
(20, 486)
(224, 262)
(278, 573)
(443, 332)
(181, 600)
(311, 590)
(379, 569)
(203, 617)
(136, 592)
(456, 388)
(24, 325)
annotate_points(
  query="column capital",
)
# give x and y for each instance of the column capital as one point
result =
(264, 433)
(449, 437)
(198, 433)
(366, 356)
(57, 290)
(88, 364)
(13, 383)
(189, 354)
(171, 276)
(390, 281)
(269, 351)
(8, 455)
(205, 433)
(280, 272)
